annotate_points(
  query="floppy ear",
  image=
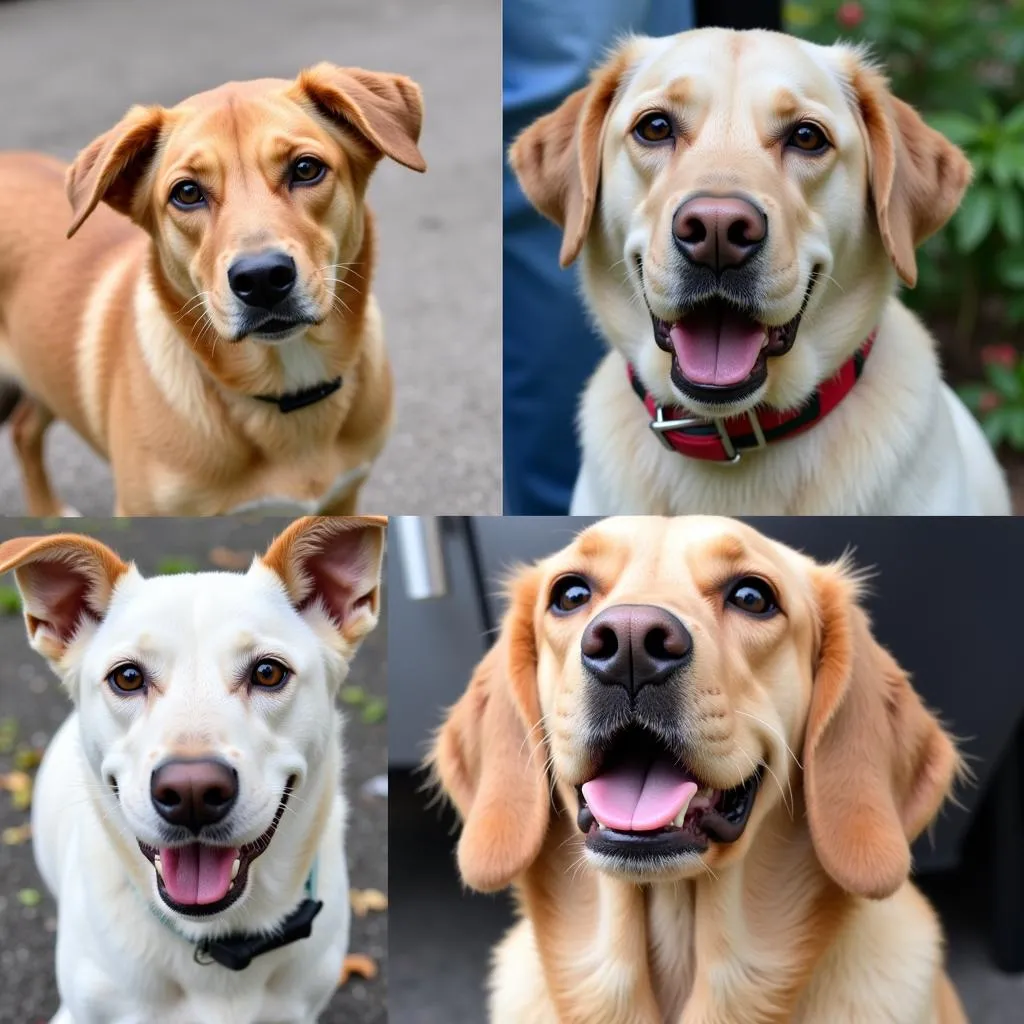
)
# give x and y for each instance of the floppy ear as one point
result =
(877, 765)
(110, 167)
(64, 580)
(557, 160)
(490, 757)
(332, 564)
(386, 110)
(918, 176)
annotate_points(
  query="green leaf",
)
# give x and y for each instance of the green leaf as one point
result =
(958, 128)
(1016, 428)
(29, 897)
(972, 395)
(8, 734)
(354, 696)
(1005, 381)
(1013, 123)
(996, 426)
(375, 710)
(1011, 215)
(10, 601)
(174, 564)
(974, 219)
(1010, 267)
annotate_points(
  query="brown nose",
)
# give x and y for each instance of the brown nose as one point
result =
(635, 645)
(193, 793)
(720, 232)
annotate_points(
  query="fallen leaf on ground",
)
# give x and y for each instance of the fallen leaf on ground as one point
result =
(19, 785)
(27, 758)
(226, 558)
(29, 897)
(16, 834)
(357, 963)
(364, 901)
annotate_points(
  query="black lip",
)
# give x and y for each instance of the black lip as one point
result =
(246, 855)
(274, 327)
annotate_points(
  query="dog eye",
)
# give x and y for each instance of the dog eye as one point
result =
(187, 194)
(654, 128)
(307, 170)
(126, 679)
(568, 594)
(808, 138)
(269, 674)
(753, 596)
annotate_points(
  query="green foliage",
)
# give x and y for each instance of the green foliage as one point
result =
(172, 565)
(961, 64)
(998, 401)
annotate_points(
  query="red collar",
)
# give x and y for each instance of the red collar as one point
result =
(723, 440)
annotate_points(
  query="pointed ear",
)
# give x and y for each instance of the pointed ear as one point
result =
(64, 580)
(877, 764)
(110, 167)
(557, 160)
(489, 755)
(918, 176)
(385, 110)
(333, 564)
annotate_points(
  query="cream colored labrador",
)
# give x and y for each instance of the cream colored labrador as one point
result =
(188, 815)
(743, 204)
(701, 774)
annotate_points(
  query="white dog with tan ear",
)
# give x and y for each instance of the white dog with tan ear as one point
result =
(188, 815)
(743, 203)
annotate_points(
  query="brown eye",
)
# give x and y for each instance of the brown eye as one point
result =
(307, 170)
(753, 596)
(654, 128)
(269, 674)
(126, 678)
(569, 593)
(808, 138)
(187, 194)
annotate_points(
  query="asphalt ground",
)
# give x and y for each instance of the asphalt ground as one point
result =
(70, 68)
(31, 697)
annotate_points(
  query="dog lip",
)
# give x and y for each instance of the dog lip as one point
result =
(275, 327)
(246, 855)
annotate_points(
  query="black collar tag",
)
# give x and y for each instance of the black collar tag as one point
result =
(236, 951)
(300, 399)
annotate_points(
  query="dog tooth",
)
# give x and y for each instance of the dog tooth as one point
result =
(234, 868)
(159, 867)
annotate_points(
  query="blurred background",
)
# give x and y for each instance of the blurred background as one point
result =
(33, 705)
(942, 600)
(69, 69)
(961, 64)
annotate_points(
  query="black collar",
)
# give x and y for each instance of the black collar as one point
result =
(300, 399)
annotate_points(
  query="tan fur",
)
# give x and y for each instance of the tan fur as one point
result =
(809, 915)
(126, 331)
(849, 218)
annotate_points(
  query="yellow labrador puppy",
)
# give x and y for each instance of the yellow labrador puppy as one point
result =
(188, 816)
(701, 774)
(743, 204)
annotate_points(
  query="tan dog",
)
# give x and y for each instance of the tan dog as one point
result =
(701, 774)
(742, 203)
(225, 349)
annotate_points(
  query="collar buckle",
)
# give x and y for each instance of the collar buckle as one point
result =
(660, 426)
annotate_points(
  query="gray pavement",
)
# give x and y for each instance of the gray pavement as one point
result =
(31, 696)
(70, 68)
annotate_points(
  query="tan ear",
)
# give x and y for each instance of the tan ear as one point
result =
(332, 564)
(110, 167)
(64, 580)
(877, 764)
(490, 756)
(386, 110)
(557, 160)
(918, 176)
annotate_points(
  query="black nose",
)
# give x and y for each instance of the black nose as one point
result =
(262, 280)
(720, 232)
(193, 793)
(634, 645)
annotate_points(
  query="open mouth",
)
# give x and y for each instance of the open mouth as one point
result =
(199, 879)
(644, 803)
(720, 352)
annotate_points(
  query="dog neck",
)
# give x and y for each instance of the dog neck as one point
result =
(613, 951)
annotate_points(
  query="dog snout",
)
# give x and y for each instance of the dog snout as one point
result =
(719, 232)
(635, 645)
(264, 279)
(194, 793)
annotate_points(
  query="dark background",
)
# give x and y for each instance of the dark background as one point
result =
(31, 696)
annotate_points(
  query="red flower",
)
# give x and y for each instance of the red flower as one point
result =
(1000, 355)
(850, 15)
(988, 401)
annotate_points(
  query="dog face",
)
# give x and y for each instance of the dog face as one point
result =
(205, 700)
(666, 680)
(729, 190)
(254, 192)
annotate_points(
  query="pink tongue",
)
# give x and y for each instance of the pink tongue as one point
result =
(717, 345)
(197, 873)
(635, 797)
